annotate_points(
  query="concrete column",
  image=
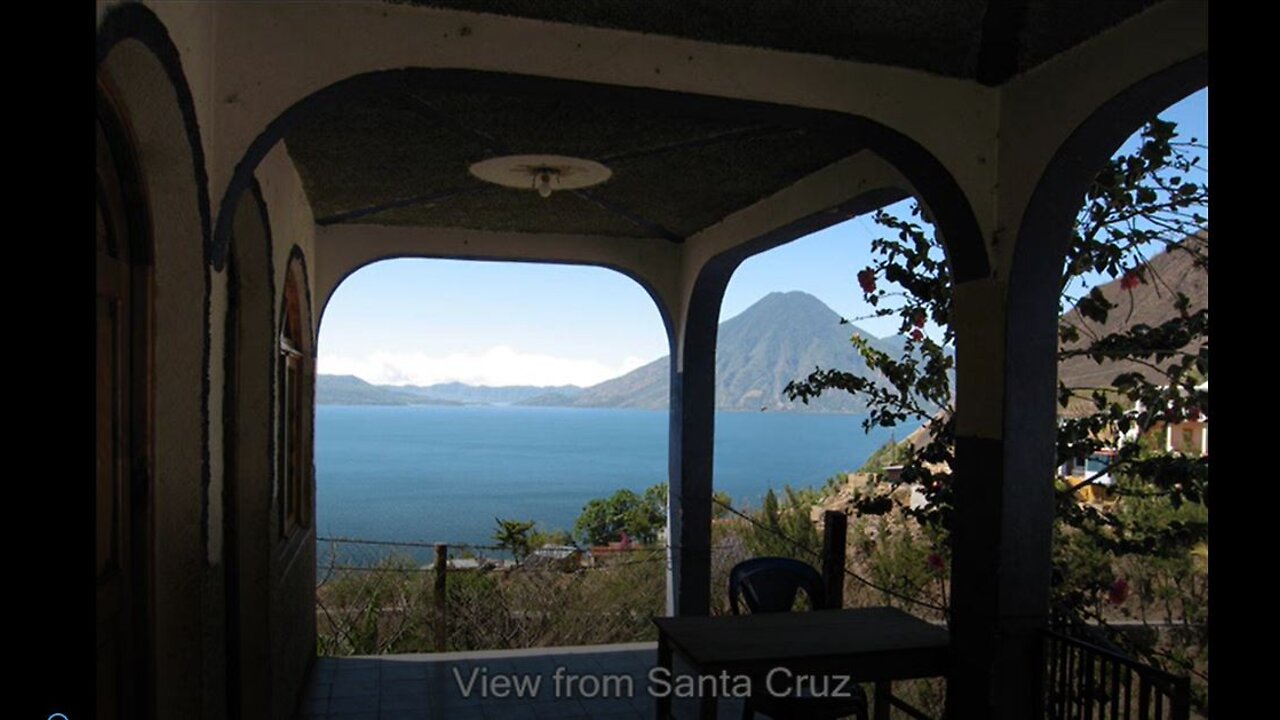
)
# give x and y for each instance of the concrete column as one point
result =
(1004, 505)
(692, 444)
(689, 499)
(1006, 414)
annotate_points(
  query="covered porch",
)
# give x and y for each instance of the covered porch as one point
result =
(265, 162)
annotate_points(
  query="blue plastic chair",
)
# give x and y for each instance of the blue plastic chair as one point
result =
(772, 584)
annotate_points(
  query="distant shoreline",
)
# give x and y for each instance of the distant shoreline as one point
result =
(519, 406)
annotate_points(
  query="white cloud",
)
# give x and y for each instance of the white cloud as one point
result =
(498, 365)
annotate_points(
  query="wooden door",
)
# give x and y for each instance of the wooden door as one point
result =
(119, 485)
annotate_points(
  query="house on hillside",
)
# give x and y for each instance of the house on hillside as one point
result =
(1188, 436)
(560, 557)
(1093, 472)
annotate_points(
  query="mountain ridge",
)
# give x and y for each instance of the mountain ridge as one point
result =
(780, 338)
(351, 390)
(465, 394)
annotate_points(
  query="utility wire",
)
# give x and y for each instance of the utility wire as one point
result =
(818, 555)
(755, 523)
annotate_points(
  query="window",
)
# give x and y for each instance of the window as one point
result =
(293, 482)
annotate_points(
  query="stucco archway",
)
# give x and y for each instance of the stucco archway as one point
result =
(916, 173)
(1006, 519)
(930, 177)
(139, 63)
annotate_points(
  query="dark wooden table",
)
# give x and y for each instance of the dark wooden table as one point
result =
(874, 644)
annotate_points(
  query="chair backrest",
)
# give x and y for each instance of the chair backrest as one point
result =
(770, 584)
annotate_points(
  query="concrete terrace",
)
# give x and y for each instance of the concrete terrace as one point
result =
(427, 685)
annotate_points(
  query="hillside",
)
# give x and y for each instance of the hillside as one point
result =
(483, 395)
(351, 390)
(1147, 304)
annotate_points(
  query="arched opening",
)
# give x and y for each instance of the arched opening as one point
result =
(963, 258)
(1031, 365)
(850, 342)
(456, 399)
(788, 312)
(140, 70)
(1133, 396)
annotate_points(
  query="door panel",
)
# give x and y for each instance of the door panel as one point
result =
(116, 431)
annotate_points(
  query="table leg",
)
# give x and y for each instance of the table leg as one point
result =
(662, 703)
(708, 709)
(882, 695)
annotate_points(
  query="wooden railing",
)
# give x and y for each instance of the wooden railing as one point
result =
(1086, 682)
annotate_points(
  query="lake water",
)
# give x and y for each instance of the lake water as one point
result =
(441, 474)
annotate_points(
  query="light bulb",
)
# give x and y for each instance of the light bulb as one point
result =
(544, 183)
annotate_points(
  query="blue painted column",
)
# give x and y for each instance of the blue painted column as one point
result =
(692, 445)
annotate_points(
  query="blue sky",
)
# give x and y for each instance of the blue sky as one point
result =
(485, 323)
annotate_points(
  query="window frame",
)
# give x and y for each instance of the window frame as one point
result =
(292, 472)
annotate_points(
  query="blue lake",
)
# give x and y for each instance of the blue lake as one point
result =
(441, 474)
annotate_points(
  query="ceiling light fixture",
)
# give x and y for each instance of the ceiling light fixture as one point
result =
(543, 180)
(543, 173)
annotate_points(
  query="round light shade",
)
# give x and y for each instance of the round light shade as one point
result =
(544, 173)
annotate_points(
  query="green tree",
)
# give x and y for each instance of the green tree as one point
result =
(514, 536)
(1141, 203)
(559, 536)
(641, 517)
(785, 528)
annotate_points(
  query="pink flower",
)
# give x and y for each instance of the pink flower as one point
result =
(1119, 592)
(935, 563)
(1130, 280)
(867, 279)
(917, 335)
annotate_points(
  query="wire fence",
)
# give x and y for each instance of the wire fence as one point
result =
(376, 597)
(381, 596)
(920, 589)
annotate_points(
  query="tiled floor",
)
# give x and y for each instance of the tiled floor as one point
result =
(610, 682)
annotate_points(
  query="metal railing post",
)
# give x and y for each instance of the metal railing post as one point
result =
(835, 530)
(441, 627)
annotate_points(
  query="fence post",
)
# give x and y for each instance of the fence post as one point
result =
(835, 528)
(442, 566)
